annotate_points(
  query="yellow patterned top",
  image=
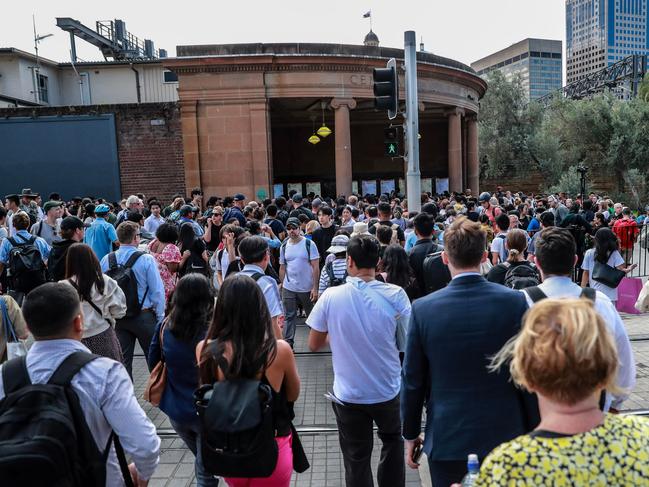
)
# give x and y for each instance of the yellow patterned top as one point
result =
(613, 454)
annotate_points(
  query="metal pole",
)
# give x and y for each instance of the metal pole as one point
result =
(411, 125)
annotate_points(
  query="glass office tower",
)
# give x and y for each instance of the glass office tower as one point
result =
(536, 61)
(601, 32)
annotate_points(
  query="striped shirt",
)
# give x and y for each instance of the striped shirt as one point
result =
(339, 270)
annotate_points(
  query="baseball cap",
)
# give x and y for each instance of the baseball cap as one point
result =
(51, 204)
(338, 244)
(297, 198)
(72, 223)
(100, 209)
(239, 197)
(185, 209)
(316, 203)
(294, 222)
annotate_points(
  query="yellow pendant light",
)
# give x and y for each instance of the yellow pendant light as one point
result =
(314, 139)
(323, 131)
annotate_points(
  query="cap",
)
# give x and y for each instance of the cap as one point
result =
(484, 197)
(72, 223)
(187, 209)
(297, 198)
(51, 204)
(294, 222)
(77, 198)
(28, 192)
(239, 197)
(338, 244)
(316, 203)
(100, 209)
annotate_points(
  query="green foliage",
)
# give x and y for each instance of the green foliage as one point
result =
(643, 89)
(608, 135)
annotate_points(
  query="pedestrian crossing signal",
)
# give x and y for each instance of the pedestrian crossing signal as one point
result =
(392, 149)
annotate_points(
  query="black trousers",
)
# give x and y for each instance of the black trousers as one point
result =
(356, 435)
(445, 473)
(140, 328)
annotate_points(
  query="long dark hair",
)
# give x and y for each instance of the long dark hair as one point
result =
(187, 237)
(605, 244)
(82, 264)
(395, 264)
(241, 317)
(191, 308)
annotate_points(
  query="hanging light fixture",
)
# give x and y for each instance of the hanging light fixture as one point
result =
(323, 131)
(314, 139)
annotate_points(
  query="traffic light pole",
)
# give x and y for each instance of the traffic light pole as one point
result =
(411, 123)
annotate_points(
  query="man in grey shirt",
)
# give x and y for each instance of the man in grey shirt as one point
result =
(48, 228)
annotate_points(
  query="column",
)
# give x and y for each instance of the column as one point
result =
(343, 140)
(455, 150)
(473, 162)
(189, 124)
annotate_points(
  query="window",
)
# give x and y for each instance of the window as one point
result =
(42, 88)
(169, 76)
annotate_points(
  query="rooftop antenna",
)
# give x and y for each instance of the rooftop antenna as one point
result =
(37, 69)
(421, 44)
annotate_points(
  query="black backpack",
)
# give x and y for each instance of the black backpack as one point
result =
(44, 437)
(537, 295)
(436, 273)
(333, 280)
(26, 267)
(237, 426)
(127, 281)
(521, 276)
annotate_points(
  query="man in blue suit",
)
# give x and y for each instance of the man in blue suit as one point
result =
(452, 335)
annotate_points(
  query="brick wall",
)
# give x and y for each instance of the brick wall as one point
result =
(149, 144)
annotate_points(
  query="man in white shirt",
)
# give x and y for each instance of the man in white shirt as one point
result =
(364, 321)
(154, 220)
(299, 272)
(555, 255)
(253, 252)
(53, 314)
(498, 249)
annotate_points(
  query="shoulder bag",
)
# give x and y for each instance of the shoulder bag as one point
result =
(157, 381)
(607, 275)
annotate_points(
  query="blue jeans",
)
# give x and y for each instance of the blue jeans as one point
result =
(190, 434)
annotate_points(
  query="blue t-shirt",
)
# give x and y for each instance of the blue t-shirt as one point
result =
(100, 236)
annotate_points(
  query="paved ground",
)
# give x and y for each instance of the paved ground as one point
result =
(314, 417)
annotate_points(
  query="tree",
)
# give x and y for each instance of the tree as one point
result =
(643, 89)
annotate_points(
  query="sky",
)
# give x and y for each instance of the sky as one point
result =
(465, 30)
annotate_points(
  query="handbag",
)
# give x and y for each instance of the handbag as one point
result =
(15, 347)
(157, 381)
(607, 275)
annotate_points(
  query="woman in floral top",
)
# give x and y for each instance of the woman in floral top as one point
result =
(167, 255)
(566, 355)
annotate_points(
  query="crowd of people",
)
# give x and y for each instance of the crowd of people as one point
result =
(492, 316)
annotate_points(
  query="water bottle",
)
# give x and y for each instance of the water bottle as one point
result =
(473, 466)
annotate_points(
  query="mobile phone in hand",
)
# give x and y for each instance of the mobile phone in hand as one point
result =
(416, 454)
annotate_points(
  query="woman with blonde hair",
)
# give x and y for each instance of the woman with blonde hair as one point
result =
(566, 355)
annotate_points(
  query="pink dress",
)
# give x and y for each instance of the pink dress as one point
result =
(170, 254)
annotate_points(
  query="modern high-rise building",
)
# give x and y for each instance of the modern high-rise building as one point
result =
(536, 61)
(601, 32)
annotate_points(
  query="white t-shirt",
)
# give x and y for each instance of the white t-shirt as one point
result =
(299, 273)
(498, 246)
(362, 330)
(589, 263)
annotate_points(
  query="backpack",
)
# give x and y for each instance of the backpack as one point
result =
(237, 426)
(127, 281)
(308, 247)
(436, 274)
(537, 295)
(44, 437)
(521, 276)
(333, 280)
(395, 234)
(26, 267)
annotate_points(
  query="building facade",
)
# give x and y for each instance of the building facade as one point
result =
(28, 81)
(601, 32)
(248, 112)
(538, 63)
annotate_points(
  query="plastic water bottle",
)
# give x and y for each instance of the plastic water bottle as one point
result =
(473, 467)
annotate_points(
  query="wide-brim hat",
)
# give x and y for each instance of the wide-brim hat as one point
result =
(28, 192)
